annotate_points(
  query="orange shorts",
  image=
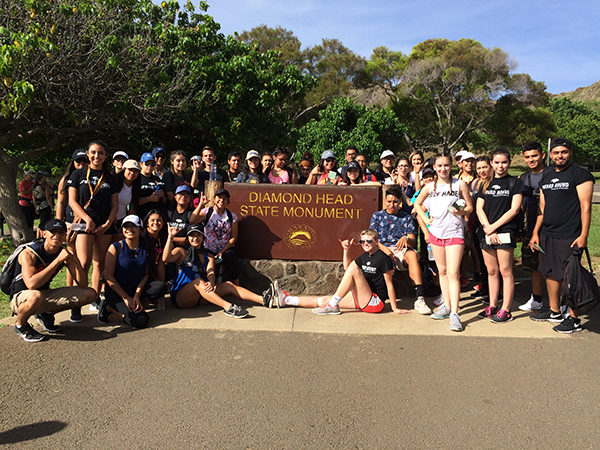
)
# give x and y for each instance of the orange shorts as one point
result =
(375, 305)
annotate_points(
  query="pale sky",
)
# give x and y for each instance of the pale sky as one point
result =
(555, 43)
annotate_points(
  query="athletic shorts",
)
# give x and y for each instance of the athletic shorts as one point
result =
(56, 299)
(552, 263)
(375, 305)
(445, 242)
(529, 259)
(399, 254)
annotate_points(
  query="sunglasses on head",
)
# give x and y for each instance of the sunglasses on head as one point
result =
(368, 241)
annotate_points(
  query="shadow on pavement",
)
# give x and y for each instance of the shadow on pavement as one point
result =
(31, 431)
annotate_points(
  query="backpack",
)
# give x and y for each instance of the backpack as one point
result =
(579, 289)
(7, 277)
(209, 213)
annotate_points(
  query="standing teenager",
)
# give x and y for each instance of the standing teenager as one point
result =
(446, 232)
(93, 197)
(498, 204)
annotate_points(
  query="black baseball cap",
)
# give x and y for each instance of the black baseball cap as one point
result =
(560, 142)
(194, 228)
(79, 153)
(222, 191)
(55, 224)
(353, 165)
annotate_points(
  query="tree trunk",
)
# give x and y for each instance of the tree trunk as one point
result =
(9, 196)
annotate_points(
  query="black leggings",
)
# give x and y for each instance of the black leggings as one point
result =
(230, 263)
(152, 291)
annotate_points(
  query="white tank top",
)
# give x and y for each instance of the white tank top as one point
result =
(445, 224)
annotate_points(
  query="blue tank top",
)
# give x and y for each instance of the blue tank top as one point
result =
(130, 267)
(190, 269)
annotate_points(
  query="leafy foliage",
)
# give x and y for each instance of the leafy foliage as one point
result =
(345, 123)
(579, 123)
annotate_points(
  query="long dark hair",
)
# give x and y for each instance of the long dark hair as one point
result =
(347, 180)
(105, 164)
(136, 187)
(67, 175)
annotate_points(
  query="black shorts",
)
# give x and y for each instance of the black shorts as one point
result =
(529, 259)
(552, 262)
(510, 246)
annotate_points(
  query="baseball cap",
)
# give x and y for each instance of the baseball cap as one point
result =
(147, 157)
(328, 154)
(131, 164)
(40, 174)
(387, 154)
(55, 224)
(353, 165)
(428, 172)
(459, 155)
(132, 218)
(120, 153)
(194, 228)
(79, 153)
(28, 172)
(222, 191)
(252, 154)
(183, 188)
(560, 142)
(466, 155)
(157, 150)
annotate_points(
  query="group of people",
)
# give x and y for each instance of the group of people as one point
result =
(140, 226)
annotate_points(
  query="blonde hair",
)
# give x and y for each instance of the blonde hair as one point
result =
(370, 232)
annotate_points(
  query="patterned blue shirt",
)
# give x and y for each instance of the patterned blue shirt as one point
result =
(391, 228)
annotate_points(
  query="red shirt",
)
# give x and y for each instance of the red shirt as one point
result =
(23, 186)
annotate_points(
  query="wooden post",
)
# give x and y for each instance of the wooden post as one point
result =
(210, 187)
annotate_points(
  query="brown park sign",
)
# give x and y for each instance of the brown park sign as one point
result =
(299, 222)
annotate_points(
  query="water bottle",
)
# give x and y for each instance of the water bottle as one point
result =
(429, 253)
(161, 304)
(213, 171)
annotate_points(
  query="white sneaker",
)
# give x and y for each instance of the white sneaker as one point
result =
(531, 305)
(421, 306)
(438, 301)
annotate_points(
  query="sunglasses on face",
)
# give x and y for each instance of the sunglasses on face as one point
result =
(150, 163)
(81, 161)
(330, 160)
(367, 241)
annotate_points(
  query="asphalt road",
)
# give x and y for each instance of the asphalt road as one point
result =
(198, 388)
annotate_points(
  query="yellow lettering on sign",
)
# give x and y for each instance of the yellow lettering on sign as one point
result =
(348, 199)
(253, 197)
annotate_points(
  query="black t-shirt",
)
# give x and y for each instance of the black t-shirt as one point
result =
(38, 247)
(562, 210)
(148, 188)
(157, 244)
(498, 200)
(248, 177)
(204, 176)
(173, 181)
(532, 182)
(373, 267)
(179, 220)
(100, 205)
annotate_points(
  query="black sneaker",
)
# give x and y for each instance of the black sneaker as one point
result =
(236, 312)
(488, 312)
(76, 316)
(46, 320)
(267, 297)
(103, 313)
(569, 325)
(28, 333)
(547, 315)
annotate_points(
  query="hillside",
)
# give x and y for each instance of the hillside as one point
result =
(586, 94)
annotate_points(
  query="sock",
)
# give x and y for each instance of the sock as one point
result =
(335, 300)
(419, 291)
(537, 298)
(290, 300)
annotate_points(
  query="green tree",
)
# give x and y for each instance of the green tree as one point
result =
(579, 123)
(345, 123)
(135, 73)
(454, 86)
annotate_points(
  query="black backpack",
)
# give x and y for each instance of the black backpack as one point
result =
(579, 290)
(7, 277)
